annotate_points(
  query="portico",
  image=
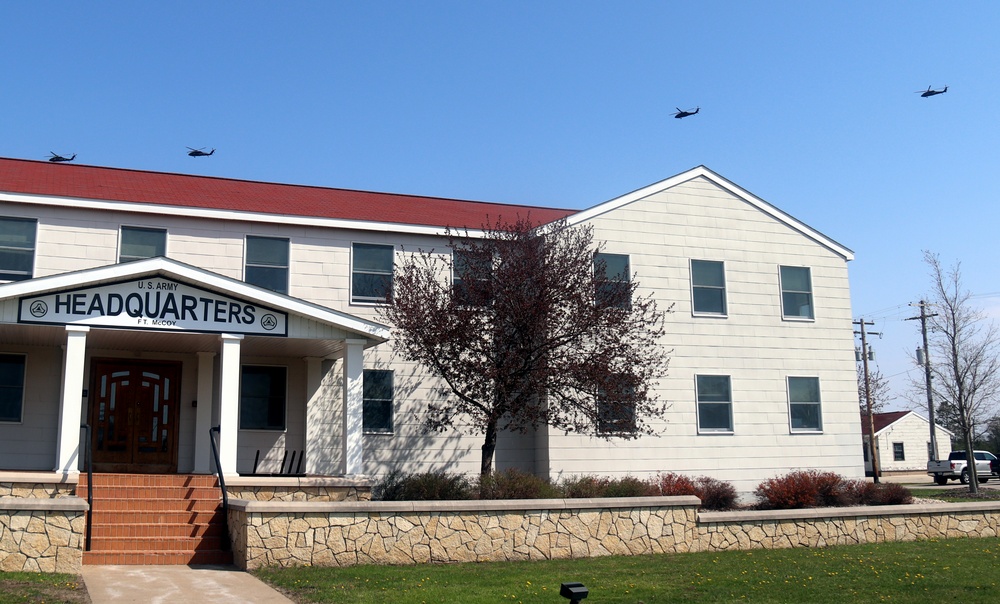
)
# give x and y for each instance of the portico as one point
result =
(153, 353)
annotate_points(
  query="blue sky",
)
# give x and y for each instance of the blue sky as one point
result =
(809, 105)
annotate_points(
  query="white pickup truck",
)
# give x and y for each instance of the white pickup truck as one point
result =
(987, 466)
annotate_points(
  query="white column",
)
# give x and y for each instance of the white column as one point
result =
(314, 390)
(229, 402)
(203, 415)
(353, 406)
(71, 403)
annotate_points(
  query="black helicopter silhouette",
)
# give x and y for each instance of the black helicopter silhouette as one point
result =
(931, 92)
(681, 113)
(59, 158)
(199, 152)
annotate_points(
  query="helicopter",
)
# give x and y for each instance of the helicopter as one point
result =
(681, 113)
(931, 92)
(59, 158)
(199, 152)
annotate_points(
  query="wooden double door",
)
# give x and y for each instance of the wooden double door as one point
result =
(134, 408)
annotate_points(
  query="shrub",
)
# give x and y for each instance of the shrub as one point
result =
(514, 484)
(715, 494)
(629, 486)
(671, 484)
(583, 487)
(426, 486)
(869, 493)
(801, 489)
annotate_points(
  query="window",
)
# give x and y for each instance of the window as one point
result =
(930, 452)
(796, 292)
(17, 248)
(616, 414)
(262, 398)
(611, 281)
(715, 403)
(371, 273)
(267, 263)
(470, 277)
(377, 414)
(864, 450)
(139, 243)
(804, 406)
(708, 287)
(897, 452)
(11, 387)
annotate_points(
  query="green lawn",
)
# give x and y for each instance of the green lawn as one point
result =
(962, 570)
(48, 588)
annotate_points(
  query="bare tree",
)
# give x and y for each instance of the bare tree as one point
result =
(880, 389)
(530, 330)
(966, 372)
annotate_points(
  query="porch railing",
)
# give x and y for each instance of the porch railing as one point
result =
(89, 464)
(222, 485)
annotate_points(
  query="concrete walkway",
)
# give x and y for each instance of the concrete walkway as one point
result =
(170, 584)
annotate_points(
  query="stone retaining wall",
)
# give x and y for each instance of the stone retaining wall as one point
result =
(774, 529)
(289, 534)
(345, 534)
(42, 535)
(305, 488)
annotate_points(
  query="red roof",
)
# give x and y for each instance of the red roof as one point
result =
(137, 186)
(882, 419)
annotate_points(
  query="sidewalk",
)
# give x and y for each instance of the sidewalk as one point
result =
(169, 584)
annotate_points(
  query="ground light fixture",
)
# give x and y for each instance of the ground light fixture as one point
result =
(574, 591)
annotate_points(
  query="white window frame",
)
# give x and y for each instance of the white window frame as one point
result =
(24, 386)
(699, 402)
(284, 416)
(457, 281)
(368, 300)
(725, 298)
(812, 297)
(818, 404)
(286, 266)
(627, 281)
(900, 453)
(134, 228)
(391, 400)
(34, 250)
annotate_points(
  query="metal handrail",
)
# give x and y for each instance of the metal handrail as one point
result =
(89, 463)
(222, 485)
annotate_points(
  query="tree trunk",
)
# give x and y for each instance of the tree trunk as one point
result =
(970, 464)
(489, 447)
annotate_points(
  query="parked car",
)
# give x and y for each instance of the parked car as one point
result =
(987, 466)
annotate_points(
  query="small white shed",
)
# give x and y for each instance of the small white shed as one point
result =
(903, 439)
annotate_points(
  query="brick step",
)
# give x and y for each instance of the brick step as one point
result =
(155, 544)
(155, 505)
(145, 480)
(157, 558)
(158, 492)
(107, 517)
(156, 530)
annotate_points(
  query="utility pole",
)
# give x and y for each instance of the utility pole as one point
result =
(873, 446)
(927, 375)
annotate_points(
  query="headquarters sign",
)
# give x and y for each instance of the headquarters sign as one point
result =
(155, 303)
